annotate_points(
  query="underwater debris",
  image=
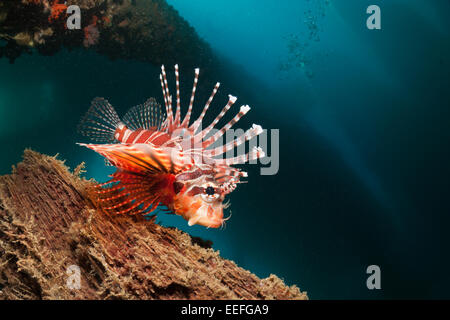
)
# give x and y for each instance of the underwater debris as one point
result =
(145, 30)
(48, 225)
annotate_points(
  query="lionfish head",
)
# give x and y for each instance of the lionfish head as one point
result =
(200, 197)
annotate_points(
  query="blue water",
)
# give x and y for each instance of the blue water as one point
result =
(364, 135)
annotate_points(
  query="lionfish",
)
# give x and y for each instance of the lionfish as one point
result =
(161, 159)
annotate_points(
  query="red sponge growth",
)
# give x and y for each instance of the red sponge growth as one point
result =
(58, 11)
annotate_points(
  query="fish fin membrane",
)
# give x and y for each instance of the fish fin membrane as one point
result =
(100, 121)
(148, 115)
(130, 193)
(139, 158)
(108, 163)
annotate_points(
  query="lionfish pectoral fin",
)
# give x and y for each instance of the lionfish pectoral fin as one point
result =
(143, 158)
(130, 193)
(108, 163)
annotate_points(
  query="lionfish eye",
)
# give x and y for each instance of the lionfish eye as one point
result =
(209, 191)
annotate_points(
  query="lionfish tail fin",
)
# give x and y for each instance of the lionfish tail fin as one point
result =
(100, 121)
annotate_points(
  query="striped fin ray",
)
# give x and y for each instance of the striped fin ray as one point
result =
(254, 131)
(198, 122)
(225, 174)
(187, 117)
(168, 122)
(168, 97)
(119, 191)
(128, 200)
(100, 121)
(139, 157)
(130, 193)
(148, 115)
(164, 93)
(177, 83)
(254, 154)
(225, 128)
(203, 133)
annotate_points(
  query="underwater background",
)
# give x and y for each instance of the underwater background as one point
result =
(364, 119)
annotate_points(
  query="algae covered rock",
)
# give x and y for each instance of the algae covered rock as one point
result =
(50, 231)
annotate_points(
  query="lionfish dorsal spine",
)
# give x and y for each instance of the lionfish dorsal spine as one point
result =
(252, 155)
(187, 117)
(254, 131)
(173, 122)
(225, 128)
(204, 132)
(197, 123)
(144, 116)
(100, 121)
(167, 99)
(177, 83)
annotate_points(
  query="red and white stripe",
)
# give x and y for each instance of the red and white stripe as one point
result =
(203, 133)
(254, 131)
(198, 122)
(177, 82)
(218, 134)
(191, 102)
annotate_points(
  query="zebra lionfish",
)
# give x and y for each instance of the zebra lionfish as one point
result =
(161, 159)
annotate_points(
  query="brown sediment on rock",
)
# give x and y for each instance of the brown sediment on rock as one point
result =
(144, 30)
(48, 223)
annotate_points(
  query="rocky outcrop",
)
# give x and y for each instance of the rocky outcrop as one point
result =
(144, 30)
(49, 225)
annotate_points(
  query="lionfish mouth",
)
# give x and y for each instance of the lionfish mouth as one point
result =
(208, 216)
(206, 222)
